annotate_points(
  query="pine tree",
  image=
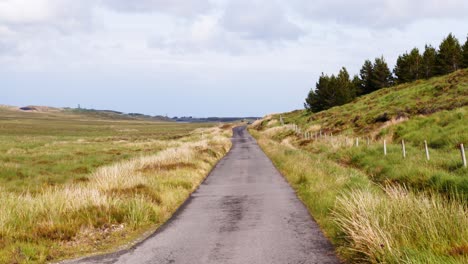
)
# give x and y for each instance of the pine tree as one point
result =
(401, 69)
(465, 54)
(344, 89)
(312, 101)
(366, 74)
(315, 100)
(415, 64)
(330, 91)
(449, 57)
(381, 76)
(356, 85)
(409, 67)
(429, 62)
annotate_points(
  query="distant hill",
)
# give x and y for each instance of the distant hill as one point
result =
(112, 114)
(117, 115)
(46, 111)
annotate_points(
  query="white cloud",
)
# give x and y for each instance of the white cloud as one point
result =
(108, 34)
(260, 20)
(25, 12)
(379, 14)
(180, 8)
(64, 16)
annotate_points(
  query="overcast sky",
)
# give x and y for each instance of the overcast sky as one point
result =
(201, 57)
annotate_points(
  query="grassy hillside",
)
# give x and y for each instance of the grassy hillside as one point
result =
(435, 110)
(367, 114)
(380, 208)
(72, 183)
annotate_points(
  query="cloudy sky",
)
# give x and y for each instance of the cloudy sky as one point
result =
(202, 57)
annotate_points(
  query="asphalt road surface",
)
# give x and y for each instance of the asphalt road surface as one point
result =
(243, 213)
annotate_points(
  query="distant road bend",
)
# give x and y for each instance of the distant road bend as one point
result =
(243, 213)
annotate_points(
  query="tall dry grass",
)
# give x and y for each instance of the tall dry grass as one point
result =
(368, 223)
(402, 226)
(114, 204)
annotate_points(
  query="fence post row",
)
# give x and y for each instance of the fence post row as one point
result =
(317, 135)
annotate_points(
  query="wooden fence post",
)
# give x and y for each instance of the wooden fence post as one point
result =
(403, 148)
(357, 142)
(385, 147)
(462, 150)
(368, 141)
(427, 150)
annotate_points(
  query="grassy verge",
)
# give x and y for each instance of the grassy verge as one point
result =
(368, 222)
(54, 212)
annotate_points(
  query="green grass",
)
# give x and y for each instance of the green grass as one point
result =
(434, 110)
(377, 208)
(72, 184)
(368, 223)
(38, 150)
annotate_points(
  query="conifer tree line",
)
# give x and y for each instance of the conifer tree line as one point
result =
(333, 90)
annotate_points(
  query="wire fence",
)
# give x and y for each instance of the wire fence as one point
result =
(344, 141)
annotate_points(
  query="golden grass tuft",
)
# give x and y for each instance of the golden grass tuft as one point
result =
(388, 228)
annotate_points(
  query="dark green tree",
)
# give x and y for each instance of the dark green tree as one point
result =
(381, 75)
(449, 57)
(366, 74)
(330, 91)
(416, 69)
(465, 54)
(401, 69)
(429, 62)
(356, 84)
(409, 67)
(314, 101)
(345, 91)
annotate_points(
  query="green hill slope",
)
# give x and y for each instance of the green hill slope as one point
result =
(379, 208)
(435, 111)
(368, 113)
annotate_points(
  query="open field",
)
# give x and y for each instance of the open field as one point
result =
(378, 208)
(73, 184)
(43, 149)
